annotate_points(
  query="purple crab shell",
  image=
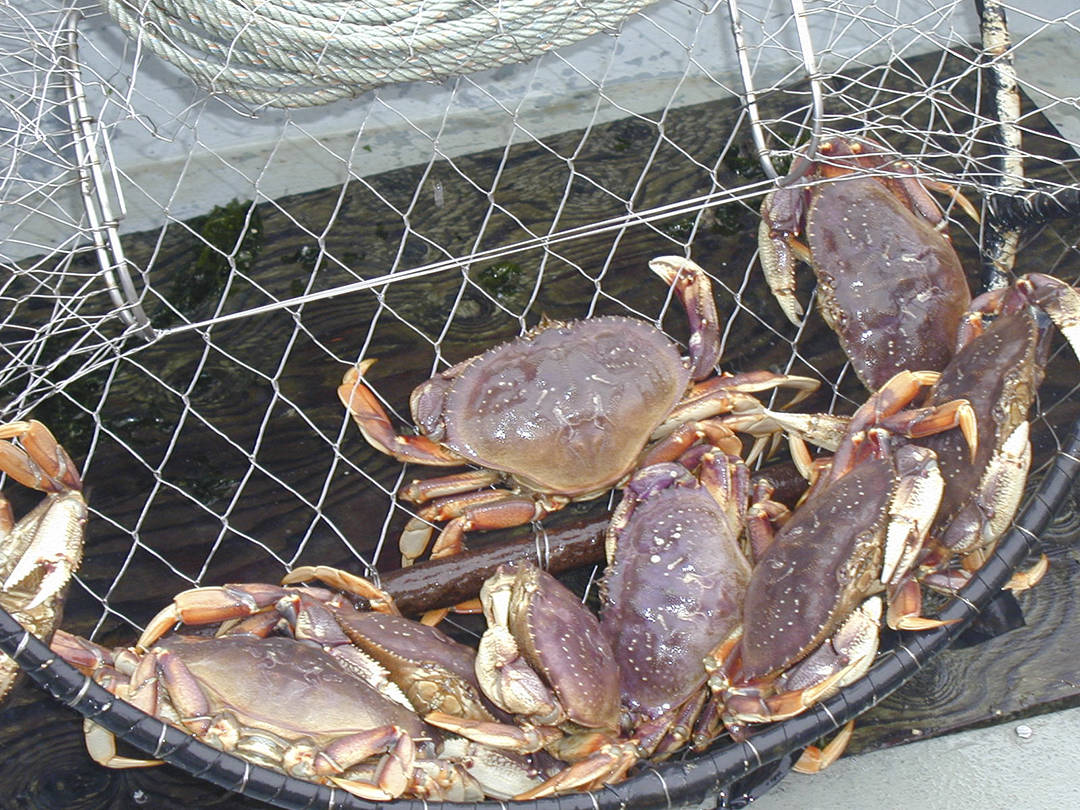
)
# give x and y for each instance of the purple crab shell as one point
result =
(673, 591)
(563, 638)
(566, 408)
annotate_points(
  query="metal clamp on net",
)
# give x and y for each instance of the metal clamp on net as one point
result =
(102, 217)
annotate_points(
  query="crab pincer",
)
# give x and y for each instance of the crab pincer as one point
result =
(40, 551)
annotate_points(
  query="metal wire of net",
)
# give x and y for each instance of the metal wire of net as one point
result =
(187, 278)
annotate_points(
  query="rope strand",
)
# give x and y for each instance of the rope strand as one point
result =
(292, 53)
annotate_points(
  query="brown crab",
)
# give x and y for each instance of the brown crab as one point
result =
(816, 596)
(672, 591)
(288, 705)
(543, 660)
(313, 702)
(889, 282)
(997, 369)
(409, 661)
(39, 552)
(563, 413)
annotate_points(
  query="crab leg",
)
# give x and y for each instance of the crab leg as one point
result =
(675, 445)
(524, 739)
(815, 760)
(44, 465)
(883, 409)
(374, 423)
(692, 286)
(730, 393)
(422, 490)
(209, 605)
(379, 599)
(1058, 300)
(486, 510)
(607, 765)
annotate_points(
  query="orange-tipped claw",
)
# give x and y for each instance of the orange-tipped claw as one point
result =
(380, 600)
(375, 424)
(42, 464)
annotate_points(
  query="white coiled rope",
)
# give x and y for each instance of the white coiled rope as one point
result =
(300, 53)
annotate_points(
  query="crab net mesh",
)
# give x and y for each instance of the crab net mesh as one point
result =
(189, 271)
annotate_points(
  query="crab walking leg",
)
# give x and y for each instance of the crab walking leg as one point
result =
(732, 393)
(815, 760)
(485, 510)
(422, 490)
(885, 409)
(607, 765)
(209, 605)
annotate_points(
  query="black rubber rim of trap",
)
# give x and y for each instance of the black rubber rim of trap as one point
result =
(726, 773)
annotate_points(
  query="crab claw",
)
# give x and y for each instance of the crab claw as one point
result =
(376, 427)
(1058, 300)
(53, 537)
(778, 258)
(42, 464)
(47, 542)
(693, 288)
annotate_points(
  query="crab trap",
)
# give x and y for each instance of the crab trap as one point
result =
(212, 211)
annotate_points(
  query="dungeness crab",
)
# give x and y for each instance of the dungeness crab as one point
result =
(889, 282)
(309, 703)
(563, 413)
(543, 660)
(997, 369)
(39, 553)
(815, 599)
(673, 590)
